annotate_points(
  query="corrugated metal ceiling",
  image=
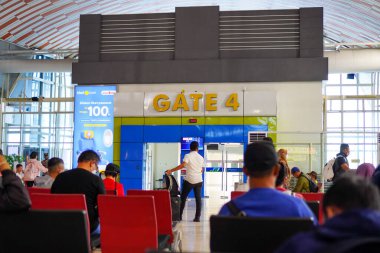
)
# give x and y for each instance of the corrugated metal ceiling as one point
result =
(54, 24)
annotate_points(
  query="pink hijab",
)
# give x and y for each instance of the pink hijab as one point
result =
(365, 170)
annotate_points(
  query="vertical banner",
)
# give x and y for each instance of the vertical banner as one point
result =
(93, 122)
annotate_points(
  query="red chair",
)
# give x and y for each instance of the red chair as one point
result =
(163, 210)
(110, 192)
(128, 223)
(316, 197)
(60, 202)
(32, 190)
(235, 194)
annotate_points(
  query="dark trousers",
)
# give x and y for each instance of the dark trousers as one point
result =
(29, 183)
(186, 189)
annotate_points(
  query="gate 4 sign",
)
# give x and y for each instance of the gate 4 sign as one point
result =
(193, 103)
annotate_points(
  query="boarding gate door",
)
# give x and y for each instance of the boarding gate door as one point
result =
(224, 165)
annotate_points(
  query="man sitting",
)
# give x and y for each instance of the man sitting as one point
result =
(111, 172)
(82, 181)
(352, 206)
(13, 194)
(263, 200)
(55, 167)
(302, 181)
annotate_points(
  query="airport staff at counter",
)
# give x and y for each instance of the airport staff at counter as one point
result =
(193, 162)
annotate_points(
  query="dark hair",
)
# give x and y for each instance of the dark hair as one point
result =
(87, 156)
(33, 155)
(18, 165)
(281, 175)
(54, 162)
(343, 146)
(268, 139)
(112, 170)
(260, 158)
(352, 192)
(194, 145)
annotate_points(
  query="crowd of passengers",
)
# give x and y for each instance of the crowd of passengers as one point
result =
(351, 205)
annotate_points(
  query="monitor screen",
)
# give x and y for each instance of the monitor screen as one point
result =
(185, 142)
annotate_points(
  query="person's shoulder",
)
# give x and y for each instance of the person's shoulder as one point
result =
(297, 243)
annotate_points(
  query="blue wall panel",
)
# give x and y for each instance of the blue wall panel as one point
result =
(131, 184)
(162, 133)
(131, 151)
(193, 131)
(131, 169)
(132, 134)
(224, 133)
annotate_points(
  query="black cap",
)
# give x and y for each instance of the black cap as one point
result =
(260, 156)
(112, 168)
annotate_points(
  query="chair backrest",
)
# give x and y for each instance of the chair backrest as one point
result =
(235, 194)
(314, 207)
(128, 223)
(32, 190)
(316, 197)
(246, 234)
(163, 209)
(49, 231)
(60, 202)
(110, 192)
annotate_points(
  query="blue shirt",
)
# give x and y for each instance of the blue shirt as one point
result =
(266, 202)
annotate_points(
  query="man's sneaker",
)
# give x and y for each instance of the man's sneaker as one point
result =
(196, 219)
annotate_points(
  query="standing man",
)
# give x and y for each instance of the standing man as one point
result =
(46, 160)
(193, 180)
(341, 163)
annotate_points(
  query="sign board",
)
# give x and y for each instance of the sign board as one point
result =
(94, 122)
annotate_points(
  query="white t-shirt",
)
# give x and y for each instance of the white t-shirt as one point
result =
(194, 167)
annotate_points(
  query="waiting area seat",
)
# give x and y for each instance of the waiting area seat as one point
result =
(32, 190)
(164, 215)
(246, 234)
(314, 207)
(128, 224)
(44, 232)
(316, 197)
(235, 194)
(64, 202)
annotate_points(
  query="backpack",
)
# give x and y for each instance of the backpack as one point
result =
(312, 186)
(170, 183)
(328, 170)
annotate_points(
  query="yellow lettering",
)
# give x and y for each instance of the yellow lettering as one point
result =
(232, 101)
(196, 98)
(180, 102)
(211, 102)
(161, 106)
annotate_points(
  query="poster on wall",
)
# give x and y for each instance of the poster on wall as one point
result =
(94, 122)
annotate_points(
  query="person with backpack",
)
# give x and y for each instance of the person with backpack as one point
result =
(33, 169)
(341, 163)
(304, 184)
(263, 200)
(352, 208)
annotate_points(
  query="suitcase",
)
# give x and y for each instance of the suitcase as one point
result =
(170, 183)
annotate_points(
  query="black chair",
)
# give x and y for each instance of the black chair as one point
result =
(44, 232)
(246, 234)
(314, 207)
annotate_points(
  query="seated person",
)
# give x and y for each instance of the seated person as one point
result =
(263, 200)
(352, 206)
(365, 170)
(280, 183)
(13, 194)
(55, 167)
(313, 177)
(111, 172)
(82, 181)
(20, 171)
(302, 181)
